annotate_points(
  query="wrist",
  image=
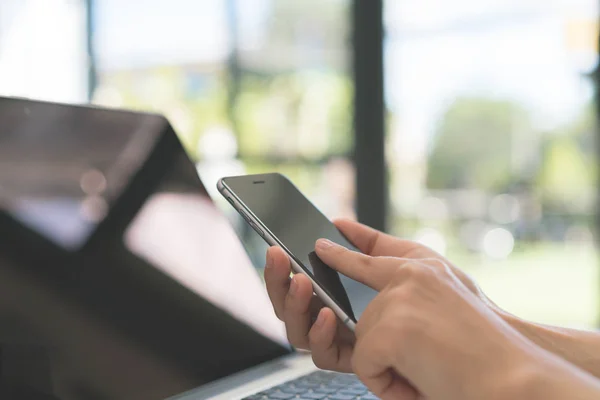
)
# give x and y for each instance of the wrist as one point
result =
(548, 378)
(519, 373)
(534, 371)
(523, 382)
(538, 334)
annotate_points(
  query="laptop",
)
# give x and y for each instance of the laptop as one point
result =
(120, 278)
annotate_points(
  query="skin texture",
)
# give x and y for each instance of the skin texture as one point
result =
(430, 333)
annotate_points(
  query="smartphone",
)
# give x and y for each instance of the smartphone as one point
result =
(274, 207)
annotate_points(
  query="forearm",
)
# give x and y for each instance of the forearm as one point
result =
(551, 380)
(539, 374)
(580, 348)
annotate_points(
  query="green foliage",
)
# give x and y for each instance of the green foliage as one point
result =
(473, 144)
(299, 20)
(565, 175)
(292, 96)
(568, 171)
(306, 114)
(164, 90)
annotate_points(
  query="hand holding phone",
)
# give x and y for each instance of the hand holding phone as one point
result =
(284, 217)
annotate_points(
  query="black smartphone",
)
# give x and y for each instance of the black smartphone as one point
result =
(283, 216)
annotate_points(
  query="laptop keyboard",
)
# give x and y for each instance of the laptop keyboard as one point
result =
(319, 385)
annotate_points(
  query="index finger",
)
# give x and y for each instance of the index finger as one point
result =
(375, 243)
(374, 272)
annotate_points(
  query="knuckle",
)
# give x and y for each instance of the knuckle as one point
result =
(440, 267)
(439, 264)
(318, 361)
(412, 269)
(294, 342)
(297, 340)
(423, 273)
(434, 262)
(416, 272)
(322, 361)
(365, 260)
(405, 272)
(296, 305)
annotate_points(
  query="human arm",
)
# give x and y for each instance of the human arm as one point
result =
(426, 335)
(579, 347)
(332, 344)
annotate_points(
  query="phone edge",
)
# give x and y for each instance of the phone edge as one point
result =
(268, 237)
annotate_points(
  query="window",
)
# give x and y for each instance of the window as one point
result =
(490, 129)
(43, 51)
(490, 145)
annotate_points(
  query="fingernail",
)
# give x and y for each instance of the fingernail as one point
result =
(293, 286)
(320, 319)
(324, 244)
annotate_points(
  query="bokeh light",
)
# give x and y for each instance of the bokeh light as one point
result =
(498, 243)
(433, 239)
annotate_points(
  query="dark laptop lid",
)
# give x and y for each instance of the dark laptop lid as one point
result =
(115, 261)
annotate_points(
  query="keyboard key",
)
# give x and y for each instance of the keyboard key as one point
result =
(318, 385)
(326, 390)
(307, 385)
(323, 377)
(338, 386)
(293, 389)
(269, 391)
(339, 396)
(281, 396)
(358, 385)
(353, 392)
(369, 396)
(346, 380)
(314, 396)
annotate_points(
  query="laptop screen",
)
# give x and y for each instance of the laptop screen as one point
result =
(62, 167)
(151, 292)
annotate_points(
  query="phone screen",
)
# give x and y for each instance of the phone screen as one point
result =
(297, 224)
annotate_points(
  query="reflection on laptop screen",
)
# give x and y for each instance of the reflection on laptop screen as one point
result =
(64, 170)
(62, 167)
(181, 231)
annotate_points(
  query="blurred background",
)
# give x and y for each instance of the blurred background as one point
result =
(469, 125)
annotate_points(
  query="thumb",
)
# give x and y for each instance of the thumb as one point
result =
(374, 272)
